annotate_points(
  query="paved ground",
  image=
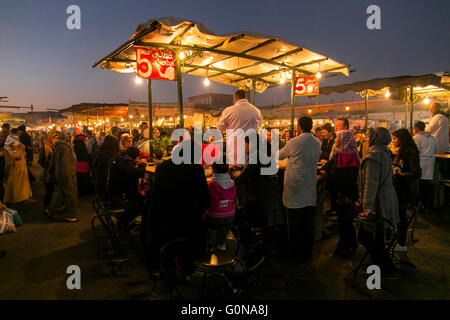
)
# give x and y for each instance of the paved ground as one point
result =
(41, 250)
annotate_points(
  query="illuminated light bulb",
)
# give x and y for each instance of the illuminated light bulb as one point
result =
(206, 82)
(318, 75)
(138, 80)
(131, 116)
(121, 119)
(387, 94)
(282, 80)
(181, 55)
(185, 116)
(426, 101)
(309, 111)
(347, 108)
(171, 119)
(142, 115)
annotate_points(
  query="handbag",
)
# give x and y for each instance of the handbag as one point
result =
(6, 223)
(16, 217)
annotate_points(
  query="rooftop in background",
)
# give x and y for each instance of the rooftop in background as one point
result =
(436, 80)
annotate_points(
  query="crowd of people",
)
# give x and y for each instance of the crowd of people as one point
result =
(363, 172)
(376, 175)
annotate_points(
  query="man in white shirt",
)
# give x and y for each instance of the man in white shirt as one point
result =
(427, 145)
(299, 194)
(242, 115)
(438, 127)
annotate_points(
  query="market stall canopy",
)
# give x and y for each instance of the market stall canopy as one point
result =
(234, 59)
(430, 81)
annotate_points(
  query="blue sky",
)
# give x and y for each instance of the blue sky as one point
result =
(45, 64)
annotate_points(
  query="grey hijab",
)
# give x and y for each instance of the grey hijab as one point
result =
(379, 136)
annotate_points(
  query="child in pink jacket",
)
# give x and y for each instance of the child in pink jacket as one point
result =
(220, 214)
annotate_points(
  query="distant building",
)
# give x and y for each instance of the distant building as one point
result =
(39, 117)
(216, 101)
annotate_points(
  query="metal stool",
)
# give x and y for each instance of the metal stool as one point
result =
(378, 222)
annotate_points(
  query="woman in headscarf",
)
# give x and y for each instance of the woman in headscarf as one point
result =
(407, 173)
(342, 170)
(82, 167)
(48, 174)
(378, 197)
(17, 187)
(65, 173)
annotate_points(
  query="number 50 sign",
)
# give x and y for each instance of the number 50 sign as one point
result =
(306, 86)
(155, 64)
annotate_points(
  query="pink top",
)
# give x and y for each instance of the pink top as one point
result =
(221, 201)
(82, 167)
(348, 159)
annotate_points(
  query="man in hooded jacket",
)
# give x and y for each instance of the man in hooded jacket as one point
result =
(66, 179)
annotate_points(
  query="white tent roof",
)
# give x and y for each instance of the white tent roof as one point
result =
(233, 59)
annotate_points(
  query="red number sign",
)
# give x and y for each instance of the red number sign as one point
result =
(306, 86)
(155, 64)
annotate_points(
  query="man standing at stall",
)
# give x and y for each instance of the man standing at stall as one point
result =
(427, 145)
(299, 194)
(438, 127)
(242, 115)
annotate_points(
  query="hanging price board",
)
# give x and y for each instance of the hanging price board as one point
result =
(153, 63)
(306, 86)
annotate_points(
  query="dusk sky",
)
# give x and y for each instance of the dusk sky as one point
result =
(45, 64)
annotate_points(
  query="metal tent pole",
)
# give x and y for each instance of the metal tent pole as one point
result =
(406, 109)
(366, 110)
(180, 91)
(411, 115)
(292, 101)
(253, 91)
(150, 115)
(104, 122)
